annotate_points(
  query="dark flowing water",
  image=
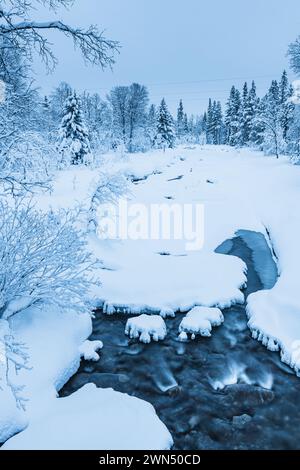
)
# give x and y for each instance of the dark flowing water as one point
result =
(259, 408)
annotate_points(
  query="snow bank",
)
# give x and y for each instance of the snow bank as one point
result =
(275, 322)
(95, 419)
(146, 327)
(88, 419)
(53, 339)
(200, 321)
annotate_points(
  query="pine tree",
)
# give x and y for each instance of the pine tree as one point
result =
(151, 125)
(216, 128)
(74, 145)
(269, 117)
(180, 120)
(245, 116)
(185, 125)
(45, 120)
(233, 118)
(165, 137)
(255, 129)
(218, 124)
(293, 136)
(209, 123)
(287, 107)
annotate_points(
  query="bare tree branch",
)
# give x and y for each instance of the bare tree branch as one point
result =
(27, 35)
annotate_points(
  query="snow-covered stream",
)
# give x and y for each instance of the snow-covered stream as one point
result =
(227, 391)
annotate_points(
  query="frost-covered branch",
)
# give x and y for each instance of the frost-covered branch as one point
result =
(294, 55)
(27, 35)
(13, 355)
(108, 189)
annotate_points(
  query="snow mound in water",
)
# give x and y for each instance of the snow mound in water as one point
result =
(200, 321)
(95, 419)
(89, 350)
(146, 327)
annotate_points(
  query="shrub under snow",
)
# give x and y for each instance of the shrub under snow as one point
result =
(44, 258)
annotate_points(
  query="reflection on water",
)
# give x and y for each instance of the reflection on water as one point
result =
(223, 392)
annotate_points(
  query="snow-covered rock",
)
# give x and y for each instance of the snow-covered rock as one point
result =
(200, 321)
(146, 327)
(88, 350)
(94, 419)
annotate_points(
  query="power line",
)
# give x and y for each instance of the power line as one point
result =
(257, 77)
(179, 93)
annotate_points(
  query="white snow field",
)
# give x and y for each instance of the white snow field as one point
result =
(240, 190)
(200, 321)
(146, 328)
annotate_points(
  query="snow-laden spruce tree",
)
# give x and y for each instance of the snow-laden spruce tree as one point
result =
(165, 137)
(73, 143)
(293, 136)
(270, 118)
(180, 121)
(233, 117)
(151, 126)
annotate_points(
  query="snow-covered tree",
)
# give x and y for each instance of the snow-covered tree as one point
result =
(180, 121)
(129, 109)
(269, 118)
(57, 101)
(209, 123)
(293, 136)
(98, 117)
(294, 55)
(44, 259)
(25, 34)
(217, 123)
(233, 117)
(137, 104)
(73, 144)
(165, 136)
(253, 105)
(287, 107)
(18, 111)
(246, 116)
(151, 125)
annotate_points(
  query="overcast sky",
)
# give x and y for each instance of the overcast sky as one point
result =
(189, 49)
